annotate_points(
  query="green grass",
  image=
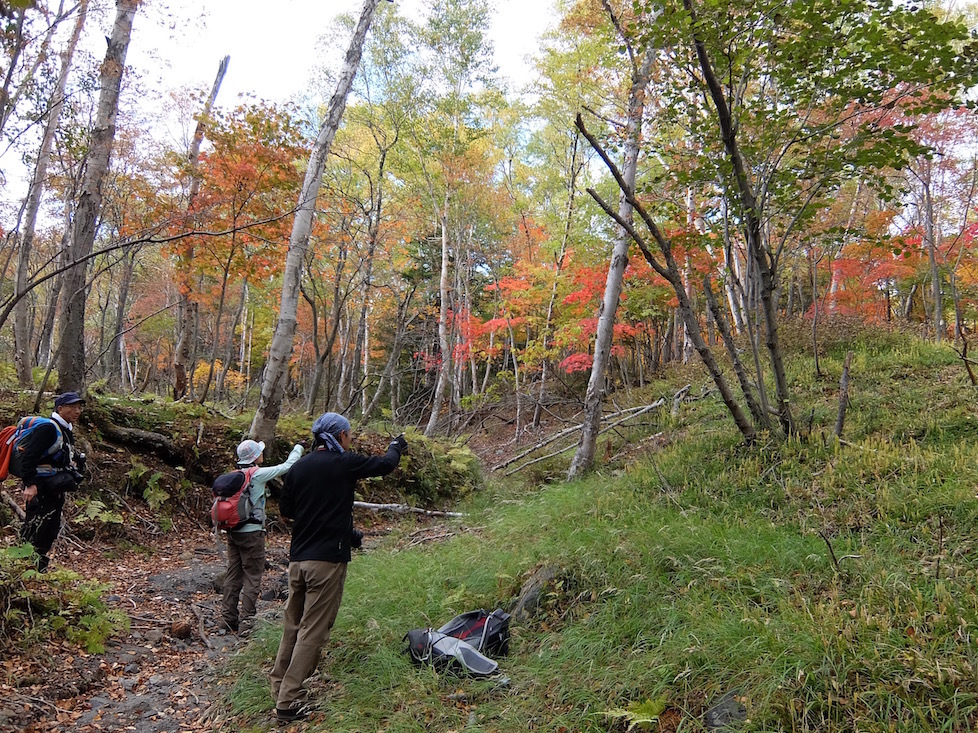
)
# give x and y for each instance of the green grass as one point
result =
(701, 568)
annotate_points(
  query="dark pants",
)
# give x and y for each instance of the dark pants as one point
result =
(43, 520)
(246, 563)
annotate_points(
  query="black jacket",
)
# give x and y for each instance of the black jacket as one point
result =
(318, 495)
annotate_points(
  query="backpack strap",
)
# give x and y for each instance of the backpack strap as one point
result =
(249, 474)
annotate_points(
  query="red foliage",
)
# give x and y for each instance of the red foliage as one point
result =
(577, 363)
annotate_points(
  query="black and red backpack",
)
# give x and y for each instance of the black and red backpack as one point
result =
(232, 507)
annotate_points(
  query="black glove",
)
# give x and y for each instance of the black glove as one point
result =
(81, 461)
(400, 444)
(356, 539)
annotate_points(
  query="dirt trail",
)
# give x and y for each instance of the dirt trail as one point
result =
(151, 680)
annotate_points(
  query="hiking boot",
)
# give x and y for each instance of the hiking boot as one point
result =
(296, 712)
(246, 627)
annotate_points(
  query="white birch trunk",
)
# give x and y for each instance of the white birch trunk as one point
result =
(445, 366)
(280, 350)
(32, 204)
(584, 456)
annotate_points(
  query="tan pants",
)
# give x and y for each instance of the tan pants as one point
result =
(246, 563)
(315, 592)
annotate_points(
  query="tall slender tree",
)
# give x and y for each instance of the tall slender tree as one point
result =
(71, 362)
(280, 352)
(187, 310)
(22, 331)
(641, 69)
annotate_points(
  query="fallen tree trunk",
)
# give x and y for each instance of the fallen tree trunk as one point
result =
(404, 509)
(15, 507)
(635, 412)
(630, 412)
(136, 438)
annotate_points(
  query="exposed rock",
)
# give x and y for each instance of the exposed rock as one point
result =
(181, 629)
(528, 602)
(726, 713)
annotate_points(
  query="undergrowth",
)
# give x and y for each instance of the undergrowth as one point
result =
(37, 607)
(829, 585)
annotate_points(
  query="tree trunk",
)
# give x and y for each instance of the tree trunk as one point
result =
(115, 351)
(669, 271)
(280, 350)
(362, 350)
(399, 332)
(22, 311)
(187, 308)
(763, 259)
(445, 363)
(743, 377)
(45, 340)
(734, 280)
(584, 456)
(71, 363)
(559, 258)
(930, 239)
(813, 261)
(17, 41)
(220, 387)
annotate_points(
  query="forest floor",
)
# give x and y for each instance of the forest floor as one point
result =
(167, 675)
(161, 676)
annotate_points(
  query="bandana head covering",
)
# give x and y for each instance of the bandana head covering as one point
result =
(326, 429)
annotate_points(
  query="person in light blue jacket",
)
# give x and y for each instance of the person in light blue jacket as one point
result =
(246, 543)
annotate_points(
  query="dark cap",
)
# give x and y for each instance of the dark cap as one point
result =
(68, 398)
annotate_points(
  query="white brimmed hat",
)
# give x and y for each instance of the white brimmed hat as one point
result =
(248, 451)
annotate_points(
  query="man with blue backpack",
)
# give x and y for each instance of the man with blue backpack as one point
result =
(44, 458)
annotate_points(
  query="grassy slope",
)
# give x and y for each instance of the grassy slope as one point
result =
(718, 579)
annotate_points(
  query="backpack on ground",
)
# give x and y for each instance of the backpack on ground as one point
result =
(447, 654)
(232, 507)
(462, 644)
(13, 443)
(487, 632)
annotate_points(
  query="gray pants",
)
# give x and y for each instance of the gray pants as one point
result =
(315, 592)
(246, 563)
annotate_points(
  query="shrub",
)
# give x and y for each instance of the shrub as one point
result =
(432, 472)
(58, 604)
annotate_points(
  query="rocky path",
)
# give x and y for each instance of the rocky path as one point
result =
(167, 674)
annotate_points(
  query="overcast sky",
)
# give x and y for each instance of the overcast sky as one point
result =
(273, 44)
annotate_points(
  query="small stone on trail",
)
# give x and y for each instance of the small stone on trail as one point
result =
(181, 629)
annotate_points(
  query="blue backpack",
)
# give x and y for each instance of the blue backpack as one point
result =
(16, 442)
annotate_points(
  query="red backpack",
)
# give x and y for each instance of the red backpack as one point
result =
(232, 506)
(6, 448)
